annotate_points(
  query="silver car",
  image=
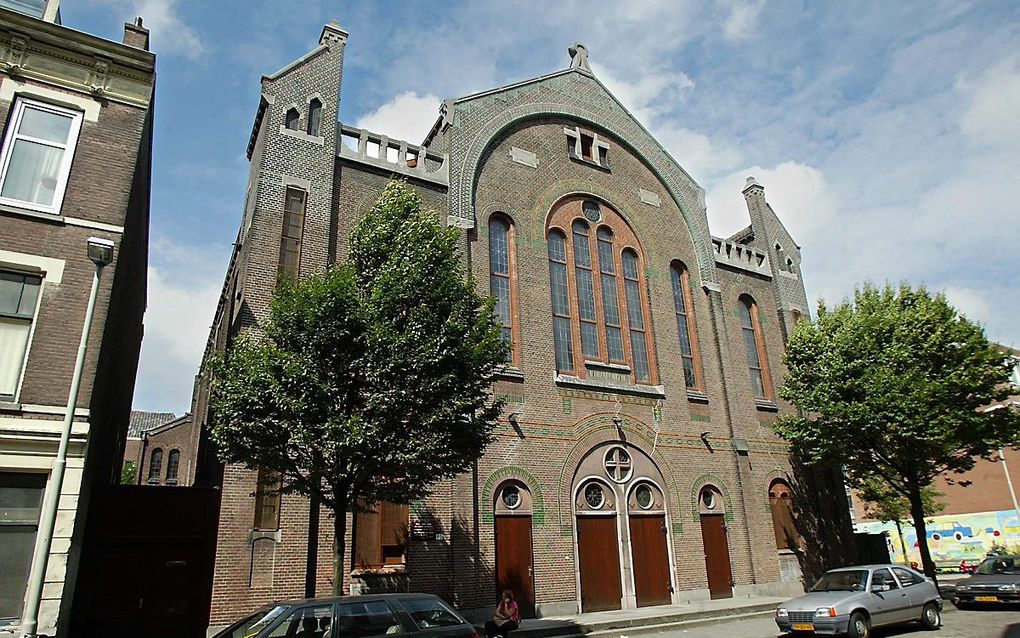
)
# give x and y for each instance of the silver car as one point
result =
(852, 600)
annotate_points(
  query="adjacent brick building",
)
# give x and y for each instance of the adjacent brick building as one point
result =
(75, 163)
(635, 464)
(140, 423)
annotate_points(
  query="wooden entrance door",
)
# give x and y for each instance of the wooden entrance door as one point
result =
(717, 556)
(514, 561)
(598, 552)
(651, 560)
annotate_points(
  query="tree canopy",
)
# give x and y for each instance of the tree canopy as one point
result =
(369, 381)
(894, 385)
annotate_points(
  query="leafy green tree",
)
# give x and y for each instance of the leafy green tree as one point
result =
(128, 473)
(371, 381)
(892, 386)
(883, 503)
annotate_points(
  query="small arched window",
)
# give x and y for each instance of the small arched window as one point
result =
(781, 505)
(754, 345)
(684, 309)
(155, 465)
(173, 462)
(562, 339)
(291, 119)
(314, 116)
(502, 280)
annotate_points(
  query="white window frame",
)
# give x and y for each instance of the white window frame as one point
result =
(17, 112)
(33, 323)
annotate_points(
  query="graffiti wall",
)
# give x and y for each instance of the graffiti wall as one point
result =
(953, 537)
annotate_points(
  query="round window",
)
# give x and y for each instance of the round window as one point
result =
(594, 496)
(592, 211)
(643, 496)
(618, 464)
(511, 497)
(708, 499)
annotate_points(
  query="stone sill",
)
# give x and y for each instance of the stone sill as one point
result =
(765, 405)
(509, 373)
(608, 367)
(261, 534)
(651, 391)
(591, 162)
(697, 396)
(9, 406)
(301, 135)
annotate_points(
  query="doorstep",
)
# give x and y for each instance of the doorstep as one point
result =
(605, 624)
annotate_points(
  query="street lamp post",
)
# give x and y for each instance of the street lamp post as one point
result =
(100, 251)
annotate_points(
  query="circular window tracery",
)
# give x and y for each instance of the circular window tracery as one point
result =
(708, 499)
(594, 496)
(511, 497)
(592, 211)
(643, 496)
(618, 464)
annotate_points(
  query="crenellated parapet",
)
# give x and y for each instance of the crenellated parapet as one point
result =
(395, 156)
(741, 257)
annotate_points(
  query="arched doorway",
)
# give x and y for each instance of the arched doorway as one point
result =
(622, 521)
(514, 556)
(598, 546)
(717, 550)
(646, 512)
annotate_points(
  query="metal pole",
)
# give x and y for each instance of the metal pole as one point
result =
(1009, 482)
(48, 516)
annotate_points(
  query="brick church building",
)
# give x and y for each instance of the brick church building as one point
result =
(635, 464)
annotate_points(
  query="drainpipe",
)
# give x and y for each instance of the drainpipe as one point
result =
(100, 251)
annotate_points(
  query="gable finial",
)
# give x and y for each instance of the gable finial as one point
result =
(579, 57)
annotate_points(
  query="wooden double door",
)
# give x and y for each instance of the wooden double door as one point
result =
(515, 561)
(598, 551)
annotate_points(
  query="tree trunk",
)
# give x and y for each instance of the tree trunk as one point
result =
(339, 547)
(917, 512)
(903, 543)
(312, 560)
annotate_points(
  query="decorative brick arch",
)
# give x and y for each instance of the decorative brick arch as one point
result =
(627, 132)
(776, 474)
(508, 472)
(710, 479)
(596, 429)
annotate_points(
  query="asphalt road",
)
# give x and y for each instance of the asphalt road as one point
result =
(955, 624)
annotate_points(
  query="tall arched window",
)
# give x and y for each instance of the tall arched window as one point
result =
(562, 340)
(173, 462)
(781, 505)
(314, 116)
(502, 281)
(684, 309)
(754, 345)
(602, 320)
(155, 465)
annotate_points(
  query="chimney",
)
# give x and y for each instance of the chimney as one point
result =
(135, 35)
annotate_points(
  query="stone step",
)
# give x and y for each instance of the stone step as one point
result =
(630, 625)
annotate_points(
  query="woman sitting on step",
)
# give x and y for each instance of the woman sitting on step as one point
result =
(507, 617)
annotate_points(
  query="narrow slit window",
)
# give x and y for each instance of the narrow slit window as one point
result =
(562, 338)
(682, 306)
(290, 239)
(501, 279)
(585, 291)
(292, 119)
(587, 142)
(314, 116)
(755, 348)
(610, 296)
(636, 316)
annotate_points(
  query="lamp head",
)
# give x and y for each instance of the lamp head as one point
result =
(100, 251)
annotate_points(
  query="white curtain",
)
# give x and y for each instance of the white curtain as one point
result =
(13, 340)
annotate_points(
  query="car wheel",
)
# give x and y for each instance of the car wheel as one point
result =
(930, 617)
(859, 626)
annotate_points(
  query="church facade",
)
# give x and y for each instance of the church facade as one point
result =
(634, 464)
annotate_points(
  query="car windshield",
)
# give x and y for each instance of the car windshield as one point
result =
(850, 580)
(998, 566)
(255, 623)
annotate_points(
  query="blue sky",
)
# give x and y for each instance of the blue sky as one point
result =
(886, 134)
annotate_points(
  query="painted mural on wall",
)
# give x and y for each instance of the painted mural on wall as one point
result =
(953, 537)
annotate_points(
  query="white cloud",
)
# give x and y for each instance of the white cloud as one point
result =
(184, 286)
(742, 19)
(971, 302)
(992, 117)
(797, 192)
(408, 117)
(169, 32)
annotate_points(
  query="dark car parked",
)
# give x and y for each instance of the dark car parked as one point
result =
(995, 580)
(391, 615)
